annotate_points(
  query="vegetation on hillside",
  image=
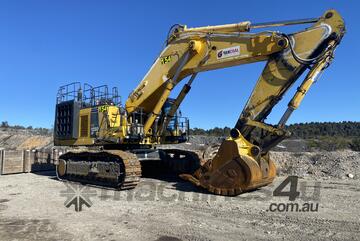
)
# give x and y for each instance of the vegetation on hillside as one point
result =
(319, 135)
(316, 129)
(38, 130)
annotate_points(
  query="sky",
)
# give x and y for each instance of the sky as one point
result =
(46, 44)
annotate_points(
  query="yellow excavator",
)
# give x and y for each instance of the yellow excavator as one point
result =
(118, 138)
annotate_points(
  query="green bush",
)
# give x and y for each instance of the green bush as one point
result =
(355, 144)
(328, 143)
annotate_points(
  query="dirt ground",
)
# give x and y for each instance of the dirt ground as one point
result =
(167, 208)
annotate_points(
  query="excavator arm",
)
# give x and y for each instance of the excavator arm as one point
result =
(242, 162)
(189, 52)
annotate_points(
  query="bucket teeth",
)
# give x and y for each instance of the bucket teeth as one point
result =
(190, 178)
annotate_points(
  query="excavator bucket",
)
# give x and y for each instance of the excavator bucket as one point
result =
(236, 168)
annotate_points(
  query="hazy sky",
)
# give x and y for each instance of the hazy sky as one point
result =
(45, 44)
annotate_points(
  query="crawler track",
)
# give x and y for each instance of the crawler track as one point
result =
(111, 168)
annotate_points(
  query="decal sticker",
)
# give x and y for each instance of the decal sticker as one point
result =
(103, 108)
(165, 59)
(228, 52)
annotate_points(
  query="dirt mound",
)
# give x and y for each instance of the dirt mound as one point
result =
(35, 142)
(196, 143)
(338, 164)
(11, 139)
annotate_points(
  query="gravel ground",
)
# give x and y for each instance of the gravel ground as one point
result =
(167, 208)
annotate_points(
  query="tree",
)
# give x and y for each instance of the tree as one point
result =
(4, 124)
